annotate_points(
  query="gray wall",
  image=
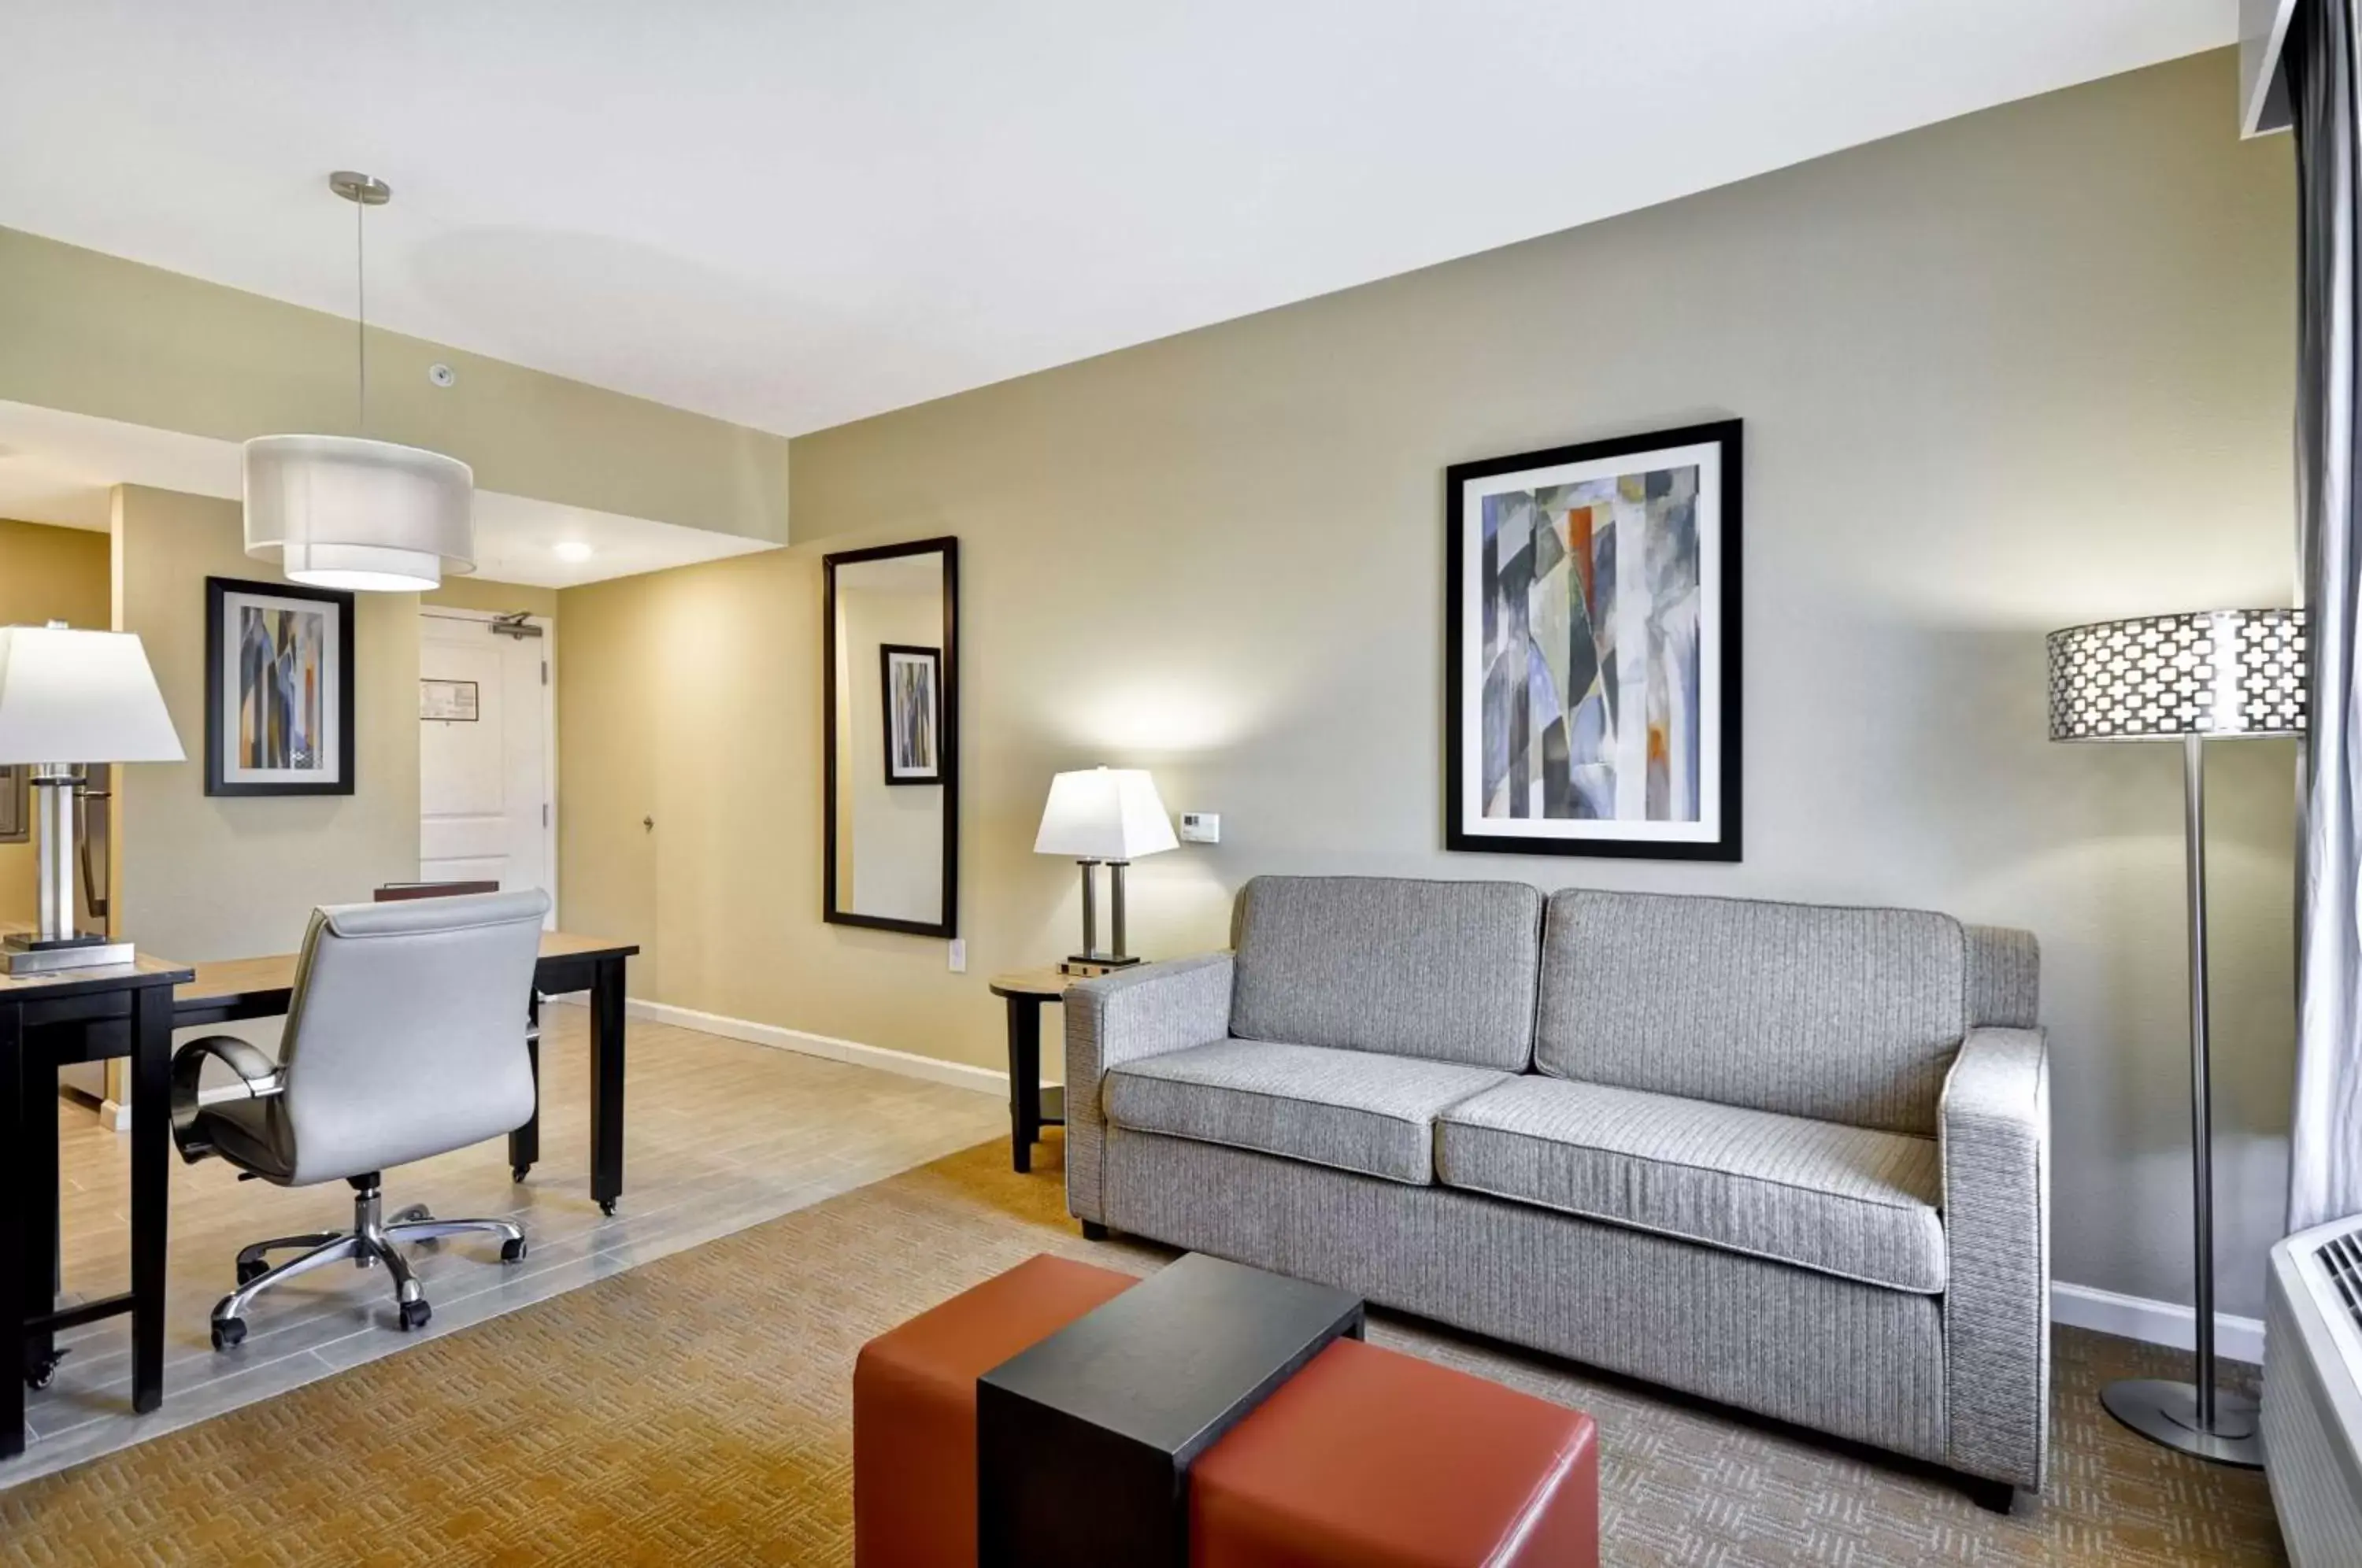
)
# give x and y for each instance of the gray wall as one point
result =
(2022, 370)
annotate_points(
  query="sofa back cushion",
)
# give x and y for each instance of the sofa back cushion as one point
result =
(1849, 1015)
(1443, 970)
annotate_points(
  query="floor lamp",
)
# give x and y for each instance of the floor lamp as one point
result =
(2212, 675)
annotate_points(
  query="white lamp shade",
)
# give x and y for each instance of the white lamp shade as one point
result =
(336, 512)
(68, 696)
(1104, 813)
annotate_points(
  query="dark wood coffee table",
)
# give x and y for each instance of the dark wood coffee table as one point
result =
(1084, 1441)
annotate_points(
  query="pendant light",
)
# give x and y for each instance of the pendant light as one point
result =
(347, 513)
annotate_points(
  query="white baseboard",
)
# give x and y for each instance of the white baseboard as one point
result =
(2158, 1322)
(2076, 1306)
(959, 1075)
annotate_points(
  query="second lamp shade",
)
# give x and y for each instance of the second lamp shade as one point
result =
(2210, 672)
(1104, 813)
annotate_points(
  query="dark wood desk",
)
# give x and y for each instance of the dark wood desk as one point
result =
(94, 1014)
(45, 1022)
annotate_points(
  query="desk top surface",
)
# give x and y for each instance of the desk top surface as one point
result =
(224, 979)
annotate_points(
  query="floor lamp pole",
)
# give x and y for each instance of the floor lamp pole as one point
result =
(2202, 1072)
(2195, 1418)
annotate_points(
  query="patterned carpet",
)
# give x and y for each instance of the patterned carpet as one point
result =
(695, 1411)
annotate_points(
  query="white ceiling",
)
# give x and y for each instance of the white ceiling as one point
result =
(57, 467)
(792, 213)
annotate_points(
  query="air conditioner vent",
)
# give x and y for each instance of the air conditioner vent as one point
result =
(2340, 1258)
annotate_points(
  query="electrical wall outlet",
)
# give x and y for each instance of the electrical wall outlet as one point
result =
(958, 945)
(1201, 827)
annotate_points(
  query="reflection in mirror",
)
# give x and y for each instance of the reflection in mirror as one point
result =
(893, 738)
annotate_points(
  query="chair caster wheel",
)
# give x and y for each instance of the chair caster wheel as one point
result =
(512, 1252)
(247, 1272)
(42, 1371)
(229, 1333)
(415, 1315)
(607, 1207)
(518, 1173)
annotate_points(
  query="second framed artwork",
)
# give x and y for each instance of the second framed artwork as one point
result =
(911, 681)
(278, 690)
(1592, 631)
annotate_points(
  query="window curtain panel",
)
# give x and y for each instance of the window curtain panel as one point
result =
(2326, 1140)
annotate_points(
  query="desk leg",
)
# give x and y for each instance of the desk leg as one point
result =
(607, 1082)
(37, 1187)
(1024, 1080)
(152, 1148)
(12, 1227)
(524, 1144)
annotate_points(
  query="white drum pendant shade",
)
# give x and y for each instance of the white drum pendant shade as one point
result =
(339, 511)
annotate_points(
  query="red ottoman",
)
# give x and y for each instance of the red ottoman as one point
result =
(1378, 1460)
(914, 1407)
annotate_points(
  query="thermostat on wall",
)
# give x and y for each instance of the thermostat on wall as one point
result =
(1201, 827)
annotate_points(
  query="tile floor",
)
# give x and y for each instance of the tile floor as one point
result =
(720, 1135)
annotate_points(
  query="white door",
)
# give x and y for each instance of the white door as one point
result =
(487, 794)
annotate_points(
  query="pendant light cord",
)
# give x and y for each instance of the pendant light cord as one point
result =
(361, 315)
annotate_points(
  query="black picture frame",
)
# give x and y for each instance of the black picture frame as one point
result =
(934, 658)
(947, 731)
(221, 703)
(1462, 683)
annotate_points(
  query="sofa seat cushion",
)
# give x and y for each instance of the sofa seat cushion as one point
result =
(1357, 1110)
(1849, 1201)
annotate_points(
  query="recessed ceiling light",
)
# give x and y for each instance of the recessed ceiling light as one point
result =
(572, 550)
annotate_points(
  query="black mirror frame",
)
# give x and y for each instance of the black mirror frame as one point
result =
(947, 548)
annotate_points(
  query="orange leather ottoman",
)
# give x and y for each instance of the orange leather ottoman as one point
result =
(914, 1407)
(1378, 1460)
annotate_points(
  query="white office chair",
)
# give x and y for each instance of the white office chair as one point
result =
(406, 1039)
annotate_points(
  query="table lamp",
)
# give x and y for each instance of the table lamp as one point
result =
(2210, 675)
(70, 697)
(1108, 817)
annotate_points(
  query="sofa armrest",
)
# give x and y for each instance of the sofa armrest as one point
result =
(1995, 1129)
(1123, 1017)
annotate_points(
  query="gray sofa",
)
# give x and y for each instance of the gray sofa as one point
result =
(1791, 1159)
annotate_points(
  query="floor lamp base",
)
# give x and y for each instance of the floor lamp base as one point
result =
(2167, 1412)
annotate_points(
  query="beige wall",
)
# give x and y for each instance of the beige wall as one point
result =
(207, 877)
(99, 335)
(2005, 374)
(45, 574)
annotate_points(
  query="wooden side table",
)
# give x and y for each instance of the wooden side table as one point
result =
(1031, 1108)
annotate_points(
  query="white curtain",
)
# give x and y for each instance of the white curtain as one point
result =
(2325, 1144)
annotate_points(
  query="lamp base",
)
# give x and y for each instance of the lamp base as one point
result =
(21, 955)
(1094, 963)
(2167, 1412)
(24, 941)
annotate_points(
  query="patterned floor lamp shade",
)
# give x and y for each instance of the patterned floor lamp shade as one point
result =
(2210, 675)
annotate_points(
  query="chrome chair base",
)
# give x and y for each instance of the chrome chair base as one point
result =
(372, 1241)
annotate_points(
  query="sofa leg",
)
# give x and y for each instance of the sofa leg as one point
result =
(1993, 1497)
(1094, 1231)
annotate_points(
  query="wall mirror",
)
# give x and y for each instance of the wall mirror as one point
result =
(891, 861)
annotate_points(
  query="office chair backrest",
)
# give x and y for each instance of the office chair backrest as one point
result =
(406, 1032)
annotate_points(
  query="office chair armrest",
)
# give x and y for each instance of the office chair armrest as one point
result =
(257, 1079)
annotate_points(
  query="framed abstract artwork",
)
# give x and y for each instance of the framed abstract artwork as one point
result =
(910, 678)
(278, 690)
(1592, 631)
